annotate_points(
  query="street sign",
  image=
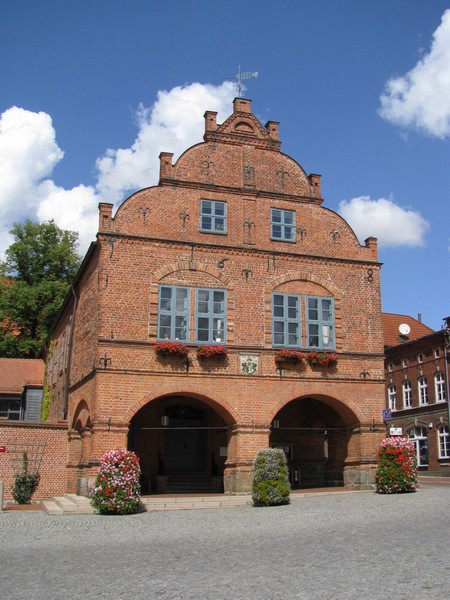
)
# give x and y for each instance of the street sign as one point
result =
(386, 414)
(2, 448)
(395, 431)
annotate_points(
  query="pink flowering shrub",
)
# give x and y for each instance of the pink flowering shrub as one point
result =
(397, 466)
(117, 488)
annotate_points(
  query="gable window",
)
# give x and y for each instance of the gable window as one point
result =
(392, 397)
(418, 437)
(286, 320)
(173, 313)
(213, 216)
(444, 442)
(210, 316)
(282, 225)
(423, 390)
(319, 323)
(287, 327)
(407, 394)
(439, 387)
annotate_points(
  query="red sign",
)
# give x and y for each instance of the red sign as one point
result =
(2, 448)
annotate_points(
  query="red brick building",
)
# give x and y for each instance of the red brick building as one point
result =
(417, 361)
(232, 248)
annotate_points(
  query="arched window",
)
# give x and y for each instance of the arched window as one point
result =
(392, 397)
(418, 436)
(444, 442)
(407, 394)
(439, 387)
(423, 390)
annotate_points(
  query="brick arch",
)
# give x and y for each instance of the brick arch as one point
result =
(186, 265)
(349, 411)
(81, 416)
(193, 390)
(306, 277)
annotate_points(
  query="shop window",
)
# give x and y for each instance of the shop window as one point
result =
(444, 442)
(418, 436)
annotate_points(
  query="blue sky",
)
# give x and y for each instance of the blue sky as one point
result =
(92, 91)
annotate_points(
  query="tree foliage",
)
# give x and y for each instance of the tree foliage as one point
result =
(36, 276)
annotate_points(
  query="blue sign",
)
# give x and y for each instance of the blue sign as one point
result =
(387, 414)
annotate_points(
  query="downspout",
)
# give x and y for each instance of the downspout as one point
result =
(446, 349)
(69, 352)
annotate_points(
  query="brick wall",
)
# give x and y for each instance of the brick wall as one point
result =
(52, 472)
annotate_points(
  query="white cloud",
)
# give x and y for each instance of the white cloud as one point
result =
(29, 153)
(421, 98)
(393, 225)
(174, 123)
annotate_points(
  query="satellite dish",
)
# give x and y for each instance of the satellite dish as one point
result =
(404, 329)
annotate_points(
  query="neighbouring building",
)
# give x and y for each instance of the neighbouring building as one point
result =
(21, 389)
(232, 248)
(417, 361)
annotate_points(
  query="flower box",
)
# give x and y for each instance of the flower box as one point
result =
(211, 351)
(321, 358)
(287, 355)
(176, 349)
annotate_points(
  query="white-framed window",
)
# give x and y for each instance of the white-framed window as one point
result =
(423, 390)
(404, 362)
(436, 353)
(444, 441)
(407, 394)
(390, 366)
(287, 321)
(213, 216)
(174, 314)
(392, 397)
(282, 225)
(420, 358)
(439, 387)
(418, 436)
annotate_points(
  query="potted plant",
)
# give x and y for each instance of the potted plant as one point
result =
(177, 349)
(397, 466)
(210, 351)
(289, 355)
(321, 358)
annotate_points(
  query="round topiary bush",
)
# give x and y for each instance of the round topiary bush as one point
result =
(397, 466)
(271, 484)
(117, 489)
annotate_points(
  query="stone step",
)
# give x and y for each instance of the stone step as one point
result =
(71, 504)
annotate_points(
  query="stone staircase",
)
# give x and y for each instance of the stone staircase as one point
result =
(189, 482)
(71, 504)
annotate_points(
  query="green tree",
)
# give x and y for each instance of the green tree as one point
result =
(39, 268)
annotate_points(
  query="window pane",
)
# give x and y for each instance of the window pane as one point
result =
(206, 223)
(276, 216)
(206, 207)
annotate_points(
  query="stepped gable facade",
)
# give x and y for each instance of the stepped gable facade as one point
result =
(232, 248)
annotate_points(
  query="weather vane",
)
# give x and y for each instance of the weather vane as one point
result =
(240, 76)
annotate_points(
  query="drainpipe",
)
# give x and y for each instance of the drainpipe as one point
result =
(446, 354)
(69, 352)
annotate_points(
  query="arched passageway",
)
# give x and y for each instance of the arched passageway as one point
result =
(315, 435)
(181, 443)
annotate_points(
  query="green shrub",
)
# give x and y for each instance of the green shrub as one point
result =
(24, 483)
(397, 466)
(117, 489)
(271, 484)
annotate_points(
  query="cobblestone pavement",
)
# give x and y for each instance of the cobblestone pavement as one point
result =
(342, 547)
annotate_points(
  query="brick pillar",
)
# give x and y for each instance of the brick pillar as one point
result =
(361, 462)
(244, 443)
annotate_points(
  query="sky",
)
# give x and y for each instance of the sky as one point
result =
(92, 91)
